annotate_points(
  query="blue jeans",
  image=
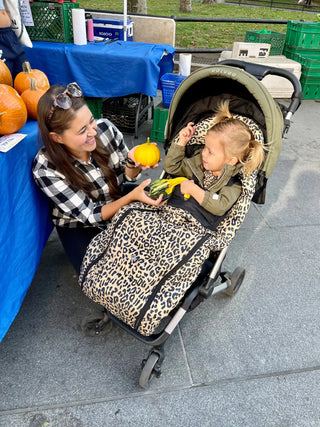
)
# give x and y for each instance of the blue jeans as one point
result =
(11, 51)
(75, 242)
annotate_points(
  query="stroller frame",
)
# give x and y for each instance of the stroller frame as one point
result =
(205, 285)
(200, 290)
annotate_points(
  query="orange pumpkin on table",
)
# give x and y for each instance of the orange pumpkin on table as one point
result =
(22, 80)
(5, 74)
(31, 98)
(13, 111)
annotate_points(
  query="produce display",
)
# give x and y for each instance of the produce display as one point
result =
(165, 187)
(5, 75)
(19, 98)
(147, 154)
(31, 98)
(22, 80)
(13, 110)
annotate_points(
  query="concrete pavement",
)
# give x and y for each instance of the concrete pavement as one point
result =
(252, 360)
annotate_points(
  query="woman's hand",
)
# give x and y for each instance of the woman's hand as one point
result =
(139, 194)
(131, 157)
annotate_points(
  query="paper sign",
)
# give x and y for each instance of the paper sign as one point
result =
(9, 141)
(250, 50)
(26, 13)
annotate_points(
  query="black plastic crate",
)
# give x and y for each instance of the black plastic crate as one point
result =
(122, 111)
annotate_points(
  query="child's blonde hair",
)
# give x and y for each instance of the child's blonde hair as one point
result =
(239, 140)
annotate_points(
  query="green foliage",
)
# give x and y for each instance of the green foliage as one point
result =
(208, 35)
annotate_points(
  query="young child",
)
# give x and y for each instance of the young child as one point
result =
(213, 182)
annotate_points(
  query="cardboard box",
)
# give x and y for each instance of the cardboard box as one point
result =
(279, 87)
(111, 28)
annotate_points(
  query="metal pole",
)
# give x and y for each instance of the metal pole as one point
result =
(125, 18)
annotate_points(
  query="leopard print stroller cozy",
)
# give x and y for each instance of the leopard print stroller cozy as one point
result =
(144, 268)
(142, 265)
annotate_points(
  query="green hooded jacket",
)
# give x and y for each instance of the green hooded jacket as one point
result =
(220, 197)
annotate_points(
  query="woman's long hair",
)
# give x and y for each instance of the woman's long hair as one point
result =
(58, 154)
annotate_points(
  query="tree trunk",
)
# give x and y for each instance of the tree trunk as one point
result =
(137, 6)
(185, 6)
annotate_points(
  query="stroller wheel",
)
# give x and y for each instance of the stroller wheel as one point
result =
(236, 279)
(96, 324)
(151, 368)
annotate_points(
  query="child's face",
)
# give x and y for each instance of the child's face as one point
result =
(214, 156)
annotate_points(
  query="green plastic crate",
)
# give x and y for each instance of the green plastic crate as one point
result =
(294, 53)
(276, 40)
(56, 1)
(160, 116)
(309, 67)
(310, 87)
(304, 35)
(52, 22)
(95, 105)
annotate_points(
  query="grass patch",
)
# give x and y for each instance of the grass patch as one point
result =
(208, 35)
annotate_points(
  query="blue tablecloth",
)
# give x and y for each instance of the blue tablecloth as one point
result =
(116, 69)
(25, 225)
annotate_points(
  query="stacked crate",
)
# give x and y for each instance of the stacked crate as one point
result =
(303, 45)
(275, 39)
(52, 21)
(160, 116)
(95, 106)
(127, 113)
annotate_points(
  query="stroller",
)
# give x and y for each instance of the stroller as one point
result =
(154, 264)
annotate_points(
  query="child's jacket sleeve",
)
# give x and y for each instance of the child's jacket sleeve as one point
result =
(219, 204)
(175, 162)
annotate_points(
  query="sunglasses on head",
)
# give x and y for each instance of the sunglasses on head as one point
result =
(63, 99)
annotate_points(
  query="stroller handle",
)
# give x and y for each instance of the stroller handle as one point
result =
(260, 71)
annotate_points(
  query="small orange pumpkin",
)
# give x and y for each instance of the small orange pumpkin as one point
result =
(5, 74)
(22, 80)
(31, 98)
(13, 112)
(147, 154)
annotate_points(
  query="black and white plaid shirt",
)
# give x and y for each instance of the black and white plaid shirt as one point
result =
(74, 208)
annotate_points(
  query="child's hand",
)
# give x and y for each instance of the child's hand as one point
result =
(186, 133)
(187, 186)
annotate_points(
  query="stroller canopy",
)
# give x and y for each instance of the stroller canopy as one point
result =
(198, 95)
